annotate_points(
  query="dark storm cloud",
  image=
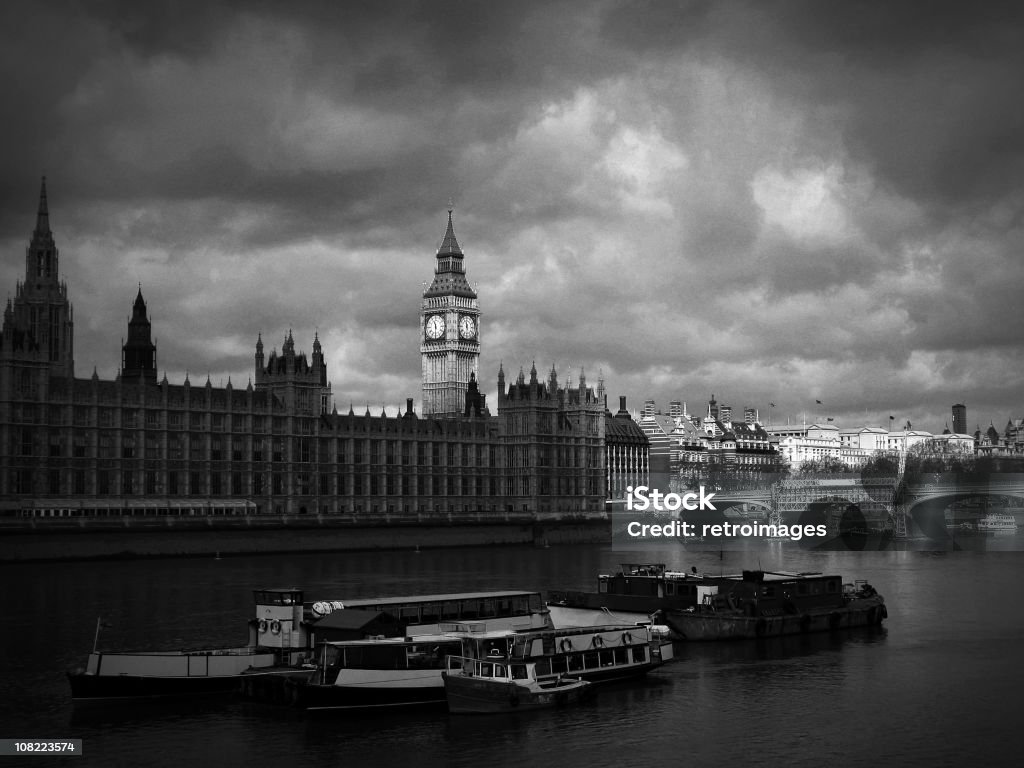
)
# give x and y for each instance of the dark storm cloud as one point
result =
(930, 90)
(778, 197)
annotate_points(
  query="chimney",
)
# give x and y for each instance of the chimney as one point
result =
(408, 406)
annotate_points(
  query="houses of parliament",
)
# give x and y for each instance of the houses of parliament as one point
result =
(141, 445)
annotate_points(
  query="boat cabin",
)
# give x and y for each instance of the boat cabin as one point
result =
(498, 669)
(767, 593)
(651, 580)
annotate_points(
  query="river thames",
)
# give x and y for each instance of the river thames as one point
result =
(939, 684)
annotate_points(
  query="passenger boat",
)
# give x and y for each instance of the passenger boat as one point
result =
(499, 684)
(995, 522)
(401, 672)
(760, 604)
(282, 635)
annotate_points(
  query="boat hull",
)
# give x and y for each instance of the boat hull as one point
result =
(314, 696)
(474, 696)
(153, 674)
(372, 689)
(710, 625)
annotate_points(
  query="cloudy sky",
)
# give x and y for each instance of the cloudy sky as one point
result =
(773, 202)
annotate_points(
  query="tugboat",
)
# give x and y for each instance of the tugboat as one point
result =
(499, 684)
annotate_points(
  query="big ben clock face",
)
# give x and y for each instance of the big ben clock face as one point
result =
(467, 328)
(435, 327)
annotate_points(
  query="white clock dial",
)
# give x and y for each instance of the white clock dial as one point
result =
(467, 328)
(435, 327)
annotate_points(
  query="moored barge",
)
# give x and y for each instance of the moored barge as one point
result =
(759, 604)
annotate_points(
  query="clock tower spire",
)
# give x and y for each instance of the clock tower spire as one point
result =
(449, 332)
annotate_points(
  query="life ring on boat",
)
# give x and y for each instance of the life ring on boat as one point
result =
(275, 627)
(627, 638)
(263, 626)
(566, 645)
(598, 641)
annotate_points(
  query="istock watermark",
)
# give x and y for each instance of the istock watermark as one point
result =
(638, 500)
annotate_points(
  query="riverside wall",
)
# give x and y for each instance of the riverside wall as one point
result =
(92, 539)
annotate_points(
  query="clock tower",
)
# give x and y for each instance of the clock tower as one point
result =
(449, 333)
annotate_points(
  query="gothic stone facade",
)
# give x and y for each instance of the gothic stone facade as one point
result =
(139, 445)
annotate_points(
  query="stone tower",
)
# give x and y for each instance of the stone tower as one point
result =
(138, 354)
(37, 334)
(449, 333)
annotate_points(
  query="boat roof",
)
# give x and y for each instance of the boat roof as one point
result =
(355, 618)
(495, 634)
(362, 602)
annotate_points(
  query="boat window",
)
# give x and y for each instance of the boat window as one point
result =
(450, 609)
(486, 669)
(544, 667)
(536, 602)
(518, 672)
(575, 662)
(487, 609)
(639, 654)
(621, 657)
(428, 655)
(375, 657)
(520, 606)
(470, 609)
(833, 586)
(499, 670)
(430, 613)
(591, 660)
(331, 656)
(409, 614)
(602, 586)
(670, 588)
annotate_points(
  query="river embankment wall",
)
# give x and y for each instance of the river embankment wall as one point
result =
(198, 539)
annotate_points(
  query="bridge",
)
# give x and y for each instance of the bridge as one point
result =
(879, 502)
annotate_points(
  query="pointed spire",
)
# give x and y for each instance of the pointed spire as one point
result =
(43, 215)
(259, 342)
(449, 246)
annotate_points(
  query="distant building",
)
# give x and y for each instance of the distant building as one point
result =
(960, 419)
(627, 452)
